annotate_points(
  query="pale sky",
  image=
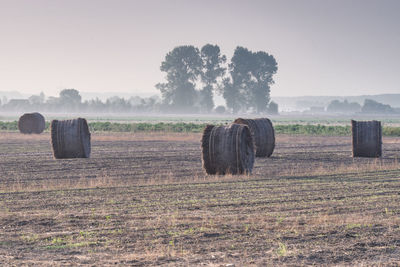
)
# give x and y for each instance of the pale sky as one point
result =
(331, 47)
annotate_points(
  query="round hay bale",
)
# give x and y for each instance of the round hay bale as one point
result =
(367, 138)
(263, 135)
(227, 149)
(31, 123)
(70, 138)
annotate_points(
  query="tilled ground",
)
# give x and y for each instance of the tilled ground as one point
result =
(144, 199)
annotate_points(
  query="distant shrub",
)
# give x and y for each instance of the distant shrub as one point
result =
(9, 126)
(13, 126)
(312, 129)
(391, 131)
(273, 108)
(220, 110)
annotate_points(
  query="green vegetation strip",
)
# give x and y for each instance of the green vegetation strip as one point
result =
(327, 130)
(307, 129)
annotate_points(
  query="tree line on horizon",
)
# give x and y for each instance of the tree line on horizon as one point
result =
(70, 100)
(369, 107)
(193, 78)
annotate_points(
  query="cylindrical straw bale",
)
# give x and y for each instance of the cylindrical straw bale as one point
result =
(263, 135)
(31, 123)
(367, 138)
(70, 138)
(227, 149)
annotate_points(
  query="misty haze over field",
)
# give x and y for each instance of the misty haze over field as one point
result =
(240, 56)
(200, 132)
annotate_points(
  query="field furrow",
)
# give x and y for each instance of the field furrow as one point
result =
(149, 202)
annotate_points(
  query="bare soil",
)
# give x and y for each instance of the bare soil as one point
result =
(143, 199)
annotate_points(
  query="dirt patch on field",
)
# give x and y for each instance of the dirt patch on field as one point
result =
(27, 163)
(144, 200)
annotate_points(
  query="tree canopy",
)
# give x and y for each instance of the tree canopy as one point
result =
(70, 99)
(372, 106)
(193, 77)
(336, 106)
(251, 77)
(212, 70)
(182, 66)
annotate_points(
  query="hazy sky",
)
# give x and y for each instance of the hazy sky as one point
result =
(332, 47)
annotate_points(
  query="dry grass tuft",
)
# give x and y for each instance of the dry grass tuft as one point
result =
(355, 167)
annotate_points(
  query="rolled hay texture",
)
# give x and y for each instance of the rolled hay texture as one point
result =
(263, 135)
(227, 149)
(70, 138)
(31, 123)
(367, 138)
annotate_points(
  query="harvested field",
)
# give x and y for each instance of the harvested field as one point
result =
(144, 199)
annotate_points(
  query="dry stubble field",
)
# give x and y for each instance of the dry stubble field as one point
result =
(144, 199)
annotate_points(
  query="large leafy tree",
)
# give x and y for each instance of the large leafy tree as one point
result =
(182, 67)
(232, 95)
(263, 68)
(251, 76)
(70, 99)
(236, 88)
(212, 71)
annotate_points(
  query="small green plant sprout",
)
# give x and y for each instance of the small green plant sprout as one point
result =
(281, 251)
(353, 225)
(388, 212)
(57, 241)
(279, 220)
(30, 238)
